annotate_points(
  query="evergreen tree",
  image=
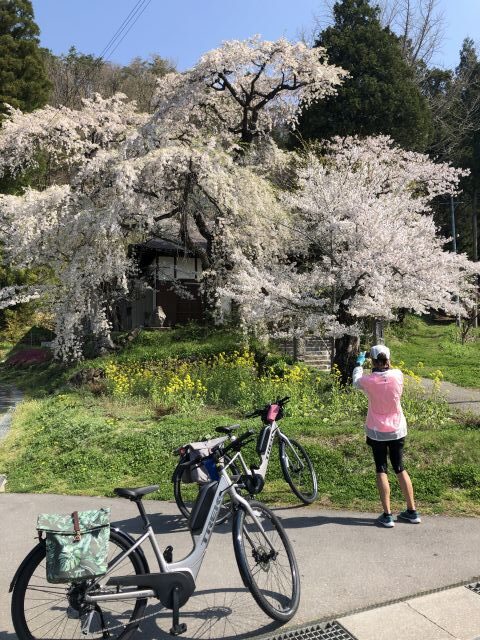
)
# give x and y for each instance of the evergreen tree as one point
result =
(24, 85)
(381, 96)
(23, 82)
(467, 75)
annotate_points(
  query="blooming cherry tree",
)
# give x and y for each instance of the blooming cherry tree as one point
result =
(116, 177)
(365, 244)
(246, 88)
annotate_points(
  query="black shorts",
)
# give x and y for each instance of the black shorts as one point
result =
(395, 452)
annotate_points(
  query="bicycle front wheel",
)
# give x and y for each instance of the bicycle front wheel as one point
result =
(266, 561)
(42, 610)
(186, 493)
(298, 470)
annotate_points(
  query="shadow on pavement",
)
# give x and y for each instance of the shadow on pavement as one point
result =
(163, 523)
(212, 613)
(303, 522)
(168, 523)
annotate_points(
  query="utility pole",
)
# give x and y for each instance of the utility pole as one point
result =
(475, 250)
(454, 233)
(454, 236)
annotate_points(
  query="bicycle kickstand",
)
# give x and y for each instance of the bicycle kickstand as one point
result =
(178, 627)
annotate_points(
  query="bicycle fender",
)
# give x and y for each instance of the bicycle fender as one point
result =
(139, 551)
(24, 562)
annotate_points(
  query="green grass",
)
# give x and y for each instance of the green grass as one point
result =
(5, 348)
(188, 342)
(191, 341)
(436, 345)
(72, 440)
(77, 443)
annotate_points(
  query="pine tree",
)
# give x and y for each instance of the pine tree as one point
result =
(381, 96)
(23, 82)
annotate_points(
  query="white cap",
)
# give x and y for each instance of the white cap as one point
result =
(378, 349)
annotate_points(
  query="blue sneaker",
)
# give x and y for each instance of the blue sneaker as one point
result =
(410, 516)
(385, 520)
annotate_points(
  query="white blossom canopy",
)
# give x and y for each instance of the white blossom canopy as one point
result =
(115, 176)
(365, 242)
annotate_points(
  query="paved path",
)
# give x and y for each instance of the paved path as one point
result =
(9, 398)
(346, 565)
(459, 397)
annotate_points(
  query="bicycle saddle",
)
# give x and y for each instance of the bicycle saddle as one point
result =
(227, 430)
(123, 492)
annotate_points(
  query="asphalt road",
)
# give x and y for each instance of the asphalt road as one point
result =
(346, 563)
(459, 398)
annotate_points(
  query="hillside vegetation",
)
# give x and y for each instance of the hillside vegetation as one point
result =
(120, 426)
(426, 346)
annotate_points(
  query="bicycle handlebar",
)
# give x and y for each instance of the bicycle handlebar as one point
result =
(258, 412)
(238, 443)
(219, 450)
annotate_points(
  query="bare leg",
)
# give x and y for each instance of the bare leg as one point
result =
(383, 487)
(407, 489)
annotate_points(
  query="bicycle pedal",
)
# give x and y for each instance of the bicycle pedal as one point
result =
(168, 554)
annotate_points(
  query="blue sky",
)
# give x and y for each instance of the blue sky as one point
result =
(184, 29)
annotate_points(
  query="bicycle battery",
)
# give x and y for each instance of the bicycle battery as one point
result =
(262, 440)
(202, 505)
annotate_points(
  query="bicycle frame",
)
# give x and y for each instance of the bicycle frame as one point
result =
(275, 432)
(193, 561)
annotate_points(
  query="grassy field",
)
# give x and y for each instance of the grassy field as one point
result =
(426, 346)
(89, 439)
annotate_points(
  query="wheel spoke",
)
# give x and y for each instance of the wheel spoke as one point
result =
(298, 470)
(271, 578)
(41, 610)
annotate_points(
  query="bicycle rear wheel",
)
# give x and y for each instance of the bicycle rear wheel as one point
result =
(42, 610)
(271, 575)
(186, 493)
(298, 470)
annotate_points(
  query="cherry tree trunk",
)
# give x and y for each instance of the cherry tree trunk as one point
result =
(346, 352)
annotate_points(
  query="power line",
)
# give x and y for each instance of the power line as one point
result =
(126, 26)
(133, 21)
(120, 29)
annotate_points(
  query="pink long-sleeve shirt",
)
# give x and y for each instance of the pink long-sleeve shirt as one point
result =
(385, 419)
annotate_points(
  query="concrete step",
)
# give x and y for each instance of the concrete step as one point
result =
(316, 351)
(317, 363)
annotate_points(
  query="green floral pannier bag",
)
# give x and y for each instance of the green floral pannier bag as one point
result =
(76, 544)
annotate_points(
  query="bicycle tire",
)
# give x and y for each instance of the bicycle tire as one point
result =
(298, 471)
(31, 602)
(186, 493)
(258, 571)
